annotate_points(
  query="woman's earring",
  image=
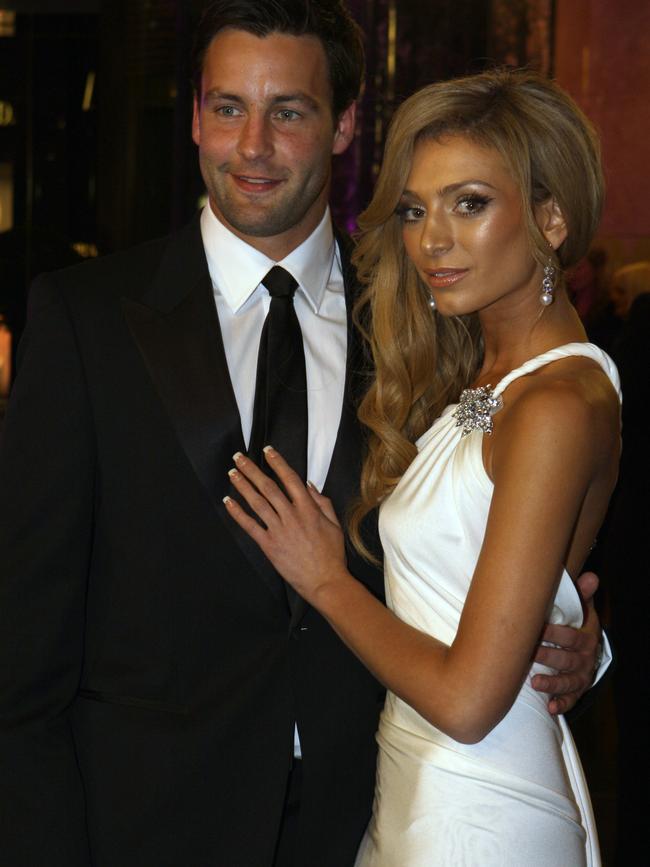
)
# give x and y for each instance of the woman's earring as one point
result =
(432, 303)
(548, 284)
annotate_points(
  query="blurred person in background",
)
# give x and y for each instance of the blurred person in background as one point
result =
(624, 539)
(629, 283)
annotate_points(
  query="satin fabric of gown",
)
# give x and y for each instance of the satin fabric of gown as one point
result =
(518, 798)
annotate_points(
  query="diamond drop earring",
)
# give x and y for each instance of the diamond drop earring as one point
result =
(432, 303)
(548, 284)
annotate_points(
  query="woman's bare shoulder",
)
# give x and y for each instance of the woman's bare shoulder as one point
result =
(570, 405)
(576, 387)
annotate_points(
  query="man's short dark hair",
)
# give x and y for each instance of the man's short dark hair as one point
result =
(328, 20)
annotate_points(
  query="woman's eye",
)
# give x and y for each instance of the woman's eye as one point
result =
(410, 214)
(469, 205)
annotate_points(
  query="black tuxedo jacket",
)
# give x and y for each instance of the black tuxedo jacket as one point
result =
(150, 671)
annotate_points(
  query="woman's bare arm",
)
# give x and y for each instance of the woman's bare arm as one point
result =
(542, 475)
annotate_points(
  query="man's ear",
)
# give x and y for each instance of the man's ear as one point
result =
(196, 123)
(344, 130)
(551, 222)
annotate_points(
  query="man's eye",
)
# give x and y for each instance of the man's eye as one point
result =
(227, 111)
(288, 114)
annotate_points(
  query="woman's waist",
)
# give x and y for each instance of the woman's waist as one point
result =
(526, 743)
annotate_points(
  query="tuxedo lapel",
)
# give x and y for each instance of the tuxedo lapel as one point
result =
(177, 331)
(344, 472)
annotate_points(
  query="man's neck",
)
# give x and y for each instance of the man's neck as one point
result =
(277, 247)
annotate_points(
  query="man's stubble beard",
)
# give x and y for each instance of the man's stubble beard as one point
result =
(284, 210)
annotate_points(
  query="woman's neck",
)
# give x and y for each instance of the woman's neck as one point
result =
(525, 332)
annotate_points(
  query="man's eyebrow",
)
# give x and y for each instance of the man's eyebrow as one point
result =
(299, 96)
(279, 99)
(220, 94)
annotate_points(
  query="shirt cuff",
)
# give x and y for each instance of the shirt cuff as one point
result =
(604, 661)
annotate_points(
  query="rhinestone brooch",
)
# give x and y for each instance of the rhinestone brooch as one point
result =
(476, 408)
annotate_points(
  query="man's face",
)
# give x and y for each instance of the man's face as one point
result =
(263, 123)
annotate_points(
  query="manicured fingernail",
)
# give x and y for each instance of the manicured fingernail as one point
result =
(238, 456)
(233, 473)
(269, 450)
(312, 486)
(227, 501)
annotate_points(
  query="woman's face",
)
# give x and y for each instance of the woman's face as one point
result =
(464, 228)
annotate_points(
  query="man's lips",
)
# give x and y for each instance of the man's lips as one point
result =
(255, 183)
(441, 277)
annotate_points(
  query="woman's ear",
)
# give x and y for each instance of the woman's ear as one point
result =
(551, 222)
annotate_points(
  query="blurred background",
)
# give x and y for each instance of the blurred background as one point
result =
(96, 155)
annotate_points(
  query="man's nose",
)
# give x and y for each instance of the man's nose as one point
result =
(255, 140)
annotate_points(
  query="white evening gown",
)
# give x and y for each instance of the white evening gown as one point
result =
(518, 798)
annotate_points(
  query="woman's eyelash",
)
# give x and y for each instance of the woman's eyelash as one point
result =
(475, 201)
(409, 213)
(466, 205)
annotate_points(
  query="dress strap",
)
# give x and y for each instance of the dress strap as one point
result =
(587, 350)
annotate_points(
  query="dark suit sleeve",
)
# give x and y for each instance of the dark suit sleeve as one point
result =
(46, 511)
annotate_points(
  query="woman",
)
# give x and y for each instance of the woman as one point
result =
(490, 188)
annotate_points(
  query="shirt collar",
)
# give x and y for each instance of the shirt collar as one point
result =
(237, 269)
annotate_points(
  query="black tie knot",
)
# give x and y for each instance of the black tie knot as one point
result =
(280, 283)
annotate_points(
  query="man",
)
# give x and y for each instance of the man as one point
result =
(158, 687)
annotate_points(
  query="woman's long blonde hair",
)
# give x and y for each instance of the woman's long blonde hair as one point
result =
(422, 360)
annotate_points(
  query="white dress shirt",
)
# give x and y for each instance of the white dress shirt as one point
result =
(236, 270)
